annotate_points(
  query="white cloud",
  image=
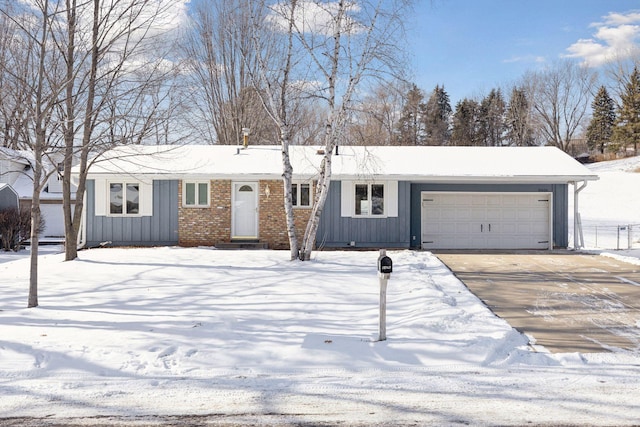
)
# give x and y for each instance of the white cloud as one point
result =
(526, 58)
(315, 17)
(616, 37)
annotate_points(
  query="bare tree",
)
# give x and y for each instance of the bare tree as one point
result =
(376, 119)
(13, 91)
(116, 86)
(221, 62)
(37, 79)
(560, 96)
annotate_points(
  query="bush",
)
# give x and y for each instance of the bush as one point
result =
(15, 228)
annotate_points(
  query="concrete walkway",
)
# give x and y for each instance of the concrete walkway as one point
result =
(566, 301)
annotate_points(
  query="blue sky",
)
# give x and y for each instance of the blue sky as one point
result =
(472, 46)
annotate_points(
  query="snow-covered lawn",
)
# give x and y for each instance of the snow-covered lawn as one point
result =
(250, 337)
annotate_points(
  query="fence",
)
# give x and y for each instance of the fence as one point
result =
(621, 236)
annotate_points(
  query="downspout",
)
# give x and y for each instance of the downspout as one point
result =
(82, 235)
(578, 239)
(82, 238)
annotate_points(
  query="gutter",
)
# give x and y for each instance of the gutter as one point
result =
(578, 238)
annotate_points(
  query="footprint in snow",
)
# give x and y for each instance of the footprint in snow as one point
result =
(167, 352)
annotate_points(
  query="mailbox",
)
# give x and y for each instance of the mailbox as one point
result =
(385, 265)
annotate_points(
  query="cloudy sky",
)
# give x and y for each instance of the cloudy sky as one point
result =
(471, 46)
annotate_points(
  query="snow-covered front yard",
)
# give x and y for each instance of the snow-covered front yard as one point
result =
(250, 337)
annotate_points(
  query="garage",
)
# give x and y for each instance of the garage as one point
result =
(473, 220)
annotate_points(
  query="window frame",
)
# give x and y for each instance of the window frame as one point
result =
(369, 187)
(197, 184)
(297, 193)
(124, 184)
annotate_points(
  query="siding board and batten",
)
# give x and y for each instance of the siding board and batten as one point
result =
(161, 228)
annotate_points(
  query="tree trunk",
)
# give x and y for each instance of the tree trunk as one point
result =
(70, 249)
(288, 198)
(33, 271)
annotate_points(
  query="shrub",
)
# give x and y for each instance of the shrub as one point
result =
(15, 228)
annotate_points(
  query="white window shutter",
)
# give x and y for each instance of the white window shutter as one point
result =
(146, 198)
(100, 195)
(347, 199)
(391, 198)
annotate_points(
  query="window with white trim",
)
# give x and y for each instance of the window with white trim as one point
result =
(124, 198)
(369, 199)
(301, 194)
(195, 194)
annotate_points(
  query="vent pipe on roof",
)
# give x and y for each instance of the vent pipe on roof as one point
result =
(245, 137)
(337, 154)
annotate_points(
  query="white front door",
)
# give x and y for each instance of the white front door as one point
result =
(245, 210)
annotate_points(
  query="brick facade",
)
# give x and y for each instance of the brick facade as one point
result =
(206, 226)
(272, 221)
(211, 225)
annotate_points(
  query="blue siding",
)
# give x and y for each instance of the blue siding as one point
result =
(560, 204)
(8, 198)
(159, 229)
(335, 231)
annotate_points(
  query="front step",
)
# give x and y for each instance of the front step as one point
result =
(242, 244)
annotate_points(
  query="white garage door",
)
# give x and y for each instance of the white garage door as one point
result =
(53, 220)
(486, 220)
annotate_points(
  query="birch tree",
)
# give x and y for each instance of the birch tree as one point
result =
(343, 44)
(272, 49)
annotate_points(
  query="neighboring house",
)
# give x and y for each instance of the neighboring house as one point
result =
(16, 170)
(380, 197)
(8, 197)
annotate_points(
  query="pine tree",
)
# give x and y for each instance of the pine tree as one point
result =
(519, 131)
(411, 122)
(491, 120)
(437, 117)
(465, 123)
(600, 129)
(627, 129)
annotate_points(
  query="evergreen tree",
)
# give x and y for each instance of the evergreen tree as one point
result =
(519, 131)
(437, 117)
(627, 129)
(411, 122)
(600, 129)
(491, 120)
(465, 123)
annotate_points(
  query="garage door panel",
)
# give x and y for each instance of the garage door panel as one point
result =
(486, 221)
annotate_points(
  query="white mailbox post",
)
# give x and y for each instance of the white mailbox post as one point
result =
(385, 267)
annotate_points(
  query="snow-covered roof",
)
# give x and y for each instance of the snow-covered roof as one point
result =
(432, 164)
(18, 156)
(7, 186)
